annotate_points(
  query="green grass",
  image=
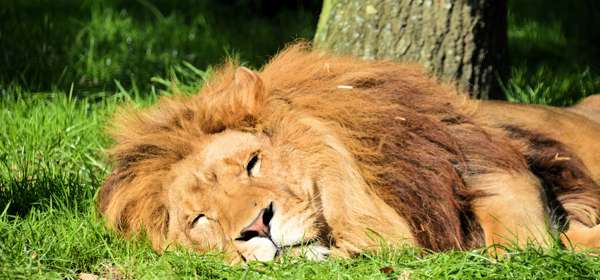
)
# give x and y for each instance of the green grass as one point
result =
(59, 242)
(553, 51)
(92, 43)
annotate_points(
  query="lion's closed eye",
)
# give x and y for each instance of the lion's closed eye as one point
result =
(199, 220)
(253, 166)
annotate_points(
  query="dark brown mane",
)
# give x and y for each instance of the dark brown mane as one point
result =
(413, 137)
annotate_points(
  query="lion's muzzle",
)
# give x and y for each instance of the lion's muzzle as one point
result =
(259, 227)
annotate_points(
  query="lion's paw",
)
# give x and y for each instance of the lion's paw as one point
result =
(310, 252)
(316, 252)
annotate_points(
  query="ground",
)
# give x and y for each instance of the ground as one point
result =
(52, 139)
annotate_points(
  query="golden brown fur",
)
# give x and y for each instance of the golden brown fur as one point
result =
(352, 153)
(588, 107)
(577, 131)
(564, 151)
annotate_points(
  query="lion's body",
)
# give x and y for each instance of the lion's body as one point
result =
(351, 153)
(577, 129)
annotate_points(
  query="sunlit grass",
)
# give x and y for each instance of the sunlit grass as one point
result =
(547, 87)
(61, 242)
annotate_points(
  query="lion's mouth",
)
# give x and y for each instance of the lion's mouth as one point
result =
(262, 228)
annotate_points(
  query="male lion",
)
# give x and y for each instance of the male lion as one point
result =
(342, 156)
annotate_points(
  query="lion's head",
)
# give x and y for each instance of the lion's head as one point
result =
(208, 174)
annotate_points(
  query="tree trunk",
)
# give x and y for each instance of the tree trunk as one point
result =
(461, 41)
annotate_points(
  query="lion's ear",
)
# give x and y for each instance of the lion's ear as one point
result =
(240, 101)
(248, 90)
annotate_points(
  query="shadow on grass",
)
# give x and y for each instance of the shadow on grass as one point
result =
(18, 195)
(93, 43)
(553, 48)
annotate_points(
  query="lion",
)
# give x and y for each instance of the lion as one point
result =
(321, 155)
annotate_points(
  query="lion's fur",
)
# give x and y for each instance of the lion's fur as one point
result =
(588, 107)
(414, 142)
(562, 148)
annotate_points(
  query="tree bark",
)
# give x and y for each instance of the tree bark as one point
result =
(459, 41)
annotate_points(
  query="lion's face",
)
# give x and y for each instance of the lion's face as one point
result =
(243, 195)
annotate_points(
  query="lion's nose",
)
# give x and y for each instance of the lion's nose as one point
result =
(260, 226)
